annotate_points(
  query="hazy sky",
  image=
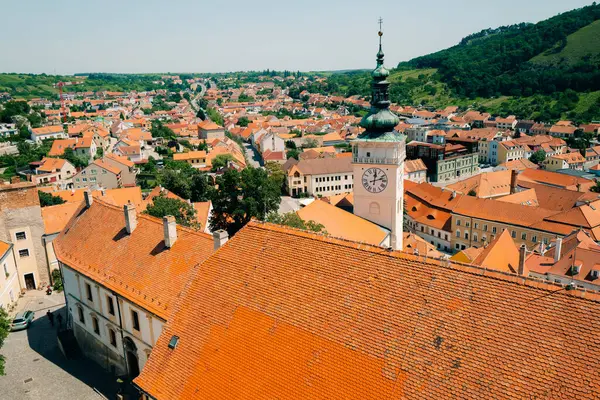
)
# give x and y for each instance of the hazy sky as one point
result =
(68, 36)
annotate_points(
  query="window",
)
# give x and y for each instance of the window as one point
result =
(111, 305)
(88, 290)
(534, 239)
(446, 238)
(457, 246)
(475, 237)
(96, 326)
(467, 235)
(24, 253)
(113, 337)
(467, 224)
(513, 234)
(493, 229)
(458, 222)
(476, 225)
(457, 233)
(136, 320)
(81, 316)
(485, 227)
(21, 236)
(523, 236)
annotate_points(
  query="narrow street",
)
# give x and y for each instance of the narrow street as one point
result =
(37, 369)
(254, 159)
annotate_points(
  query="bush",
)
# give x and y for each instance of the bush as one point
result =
(57, 279)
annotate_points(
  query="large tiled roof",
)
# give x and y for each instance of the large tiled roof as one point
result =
(342, 224)
(320, 166)
(56, 217)
(138, 266)
(283, 314)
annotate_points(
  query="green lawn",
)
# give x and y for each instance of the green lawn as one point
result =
(580, 44)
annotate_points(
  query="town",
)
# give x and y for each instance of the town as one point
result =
(258, 235)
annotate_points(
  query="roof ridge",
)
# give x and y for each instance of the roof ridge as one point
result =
(155, 219)
(443, 263)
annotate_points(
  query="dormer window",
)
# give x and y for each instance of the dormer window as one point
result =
(575, 269)
(595, 274)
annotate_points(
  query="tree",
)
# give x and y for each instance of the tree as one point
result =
(293, 220)
(310, 143)
(77, 161)
(243, 122)
(538, 157)
(176, 177)
(201, 114)
(221, 161)
(241, 196)
(4, 329)
(47, 199)
(275, 172)
(184, 213)
(201, 188)
(472, 193)
(293, 153)
(159, 130)
(215, 116)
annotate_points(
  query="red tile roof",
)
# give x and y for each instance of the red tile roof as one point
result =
(137, 266)
(300, 316)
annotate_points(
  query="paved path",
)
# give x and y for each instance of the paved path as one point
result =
(36, 369)
(254, 159)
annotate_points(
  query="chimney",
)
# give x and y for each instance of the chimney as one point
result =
(220, 237)
(514, 174)
(453, 195)
(557, 249)
(170, 230)
(522, 255)
(130, 217)
(89, 199)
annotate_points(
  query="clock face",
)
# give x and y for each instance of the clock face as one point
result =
(374, 180)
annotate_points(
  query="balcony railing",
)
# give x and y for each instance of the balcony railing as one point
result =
(373, 160)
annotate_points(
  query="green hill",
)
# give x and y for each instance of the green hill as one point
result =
(581, 46)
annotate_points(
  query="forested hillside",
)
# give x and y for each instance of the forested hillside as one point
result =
(496, 62)
(544, 71)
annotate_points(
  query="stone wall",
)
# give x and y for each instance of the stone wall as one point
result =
(95, 350)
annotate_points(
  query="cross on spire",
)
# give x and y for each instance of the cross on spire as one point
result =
(380, 33)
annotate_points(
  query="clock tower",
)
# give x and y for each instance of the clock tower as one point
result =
(378, 160)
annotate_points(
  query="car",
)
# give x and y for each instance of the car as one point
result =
(22, 321)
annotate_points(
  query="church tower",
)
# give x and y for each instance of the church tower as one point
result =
(378, 160)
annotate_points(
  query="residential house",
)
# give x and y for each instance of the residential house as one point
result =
(565, 161)
(563, 131)
(98, 174)
(415, 171)
(127, 167)
(510, 150)
(8, 130)
(21, 224)
(10, 287)
(320, 177)
(119, 300)
(48, 132)
(444, 163)
(55, 171)
(208, 130)
(196, 159)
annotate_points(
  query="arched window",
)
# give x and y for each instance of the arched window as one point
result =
(81, 314)
(95, 325)
(112, 336)
(457, 233)
(374, 208)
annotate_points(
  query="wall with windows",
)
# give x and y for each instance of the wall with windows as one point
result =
(323, 185)
(95, 176)
(103, 320)
(474, 232)
(9, 280)
(437, 237)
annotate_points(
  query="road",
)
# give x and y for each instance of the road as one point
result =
(35, 367)
(254, 159)
(198, 96)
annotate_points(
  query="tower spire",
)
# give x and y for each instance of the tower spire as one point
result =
(380, 120)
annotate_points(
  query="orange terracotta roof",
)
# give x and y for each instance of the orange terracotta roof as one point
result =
(190, 155)
(202, 213)
(485, 185)
(300, 314)
(56, 217)
(501, 254)
(342, 224)
(118, 197)
(138, 266)
(120, 159)
(45, 130)
(60, 145)
(106, 166)
(520, 164)
(4, 247)
(51, 164)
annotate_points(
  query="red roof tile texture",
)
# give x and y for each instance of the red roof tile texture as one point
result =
(282, 314)
(137, 266)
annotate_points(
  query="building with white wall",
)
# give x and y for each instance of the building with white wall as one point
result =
(9, 279)
(320, 177)
(119, 300)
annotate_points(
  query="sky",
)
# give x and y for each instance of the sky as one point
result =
(137, 36)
